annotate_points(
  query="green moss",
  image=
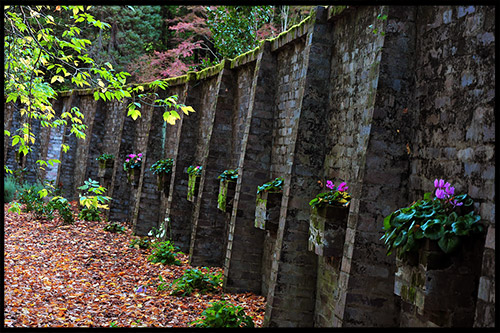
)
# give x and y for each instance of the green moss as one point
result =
(221, 199)
(246, 57)
(191, 187)
(335, 10)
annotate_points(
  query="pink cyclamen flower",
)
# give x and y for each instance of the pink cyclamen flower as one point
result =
(140, 154)
(127, 160)
(450, 190)
(440, 193)
(197, 167)
(330, 184)
(455, 203)
(342, 187)
(439, 183)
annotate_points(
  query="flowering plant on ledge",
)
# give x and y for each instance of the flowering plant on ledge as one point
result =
(194, 170)
(335, 197)
(132, 161)
(446, 218)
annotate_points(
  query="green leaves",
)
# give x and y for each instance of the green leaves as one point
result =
(432, 219)
(234, 28)
(273, 186)
(224, 314)
(162, 166)
(229, 175)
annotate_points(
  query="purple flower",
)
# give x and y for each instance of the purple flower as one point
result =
(439, 183)
(141, 289)
(439, 193)
(330, 184)
(140, 154)
(342, 187)
(455, 203)
(450, 190)
(127, 160)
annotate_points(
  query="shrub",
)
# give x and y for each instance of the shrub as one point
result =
(9, 189)
(63, 207)
(164, 252)
(140, 243)
(89, 214)
(92, 200)
(194, 279)
(114, 227)
(224, 314)
(28, 195)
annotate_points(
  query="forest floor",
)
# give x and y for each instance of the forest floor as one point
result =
(79, 275)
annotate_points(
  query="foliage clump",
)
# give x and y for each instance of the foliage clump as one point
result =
(445, 218)
(195, 280)
(224, 314)
(164, 253)
(274, 186)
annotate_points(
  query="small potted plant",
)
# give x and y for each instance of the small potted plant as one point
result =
(226, 189)
(162, 169)
(328, 220)
(194, 172)
(268, 204)
(437, 240)
(132, 166)
(105, 161)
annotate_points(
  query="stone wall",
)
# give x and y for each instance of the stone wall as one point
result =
(386, 105)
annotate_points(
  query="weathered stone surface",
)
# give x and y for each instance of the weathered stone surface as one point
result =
(386, 105)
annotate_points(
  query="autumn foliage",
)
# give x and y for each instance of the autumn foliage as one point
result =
(59, 275)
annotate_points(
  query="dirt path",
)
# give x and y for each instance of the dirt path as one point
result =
(80, 275)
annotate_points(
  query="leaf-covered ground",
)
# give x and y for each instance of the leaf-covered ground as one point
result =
(81, 276)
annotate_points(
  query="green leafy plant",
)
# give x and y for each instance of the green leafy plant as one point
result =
(229, 175)
(165, 253)
(446, 218)
(29, 196)
(195, 279)
(105, 160)
(132, 161)
(9, 188)
(334, 197)
(273, 186)
(224, 314)
(92, 200)
(140, 243)
(105, 157)
(62, 205)
(162, 166)
(194, 170)
(114, 227)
